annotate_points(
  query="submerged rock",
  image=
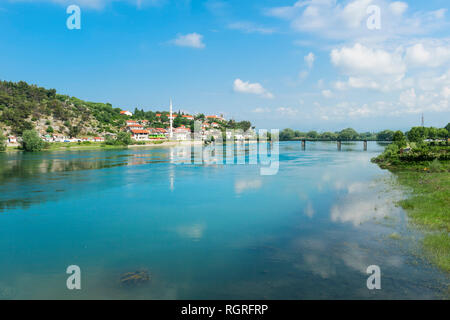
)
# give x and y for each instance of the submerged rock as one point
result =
(135, 278)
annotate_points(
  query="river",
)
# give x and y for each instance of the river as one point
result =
(207, 231)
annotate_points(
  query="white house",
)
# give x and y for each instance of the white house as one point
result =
(135, 126)
(140, 135)
(127, 113)
(182, 133)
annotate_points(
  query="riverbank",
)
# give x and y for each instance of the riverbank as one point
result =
(428, 206)
(428, 202)
(58, 146)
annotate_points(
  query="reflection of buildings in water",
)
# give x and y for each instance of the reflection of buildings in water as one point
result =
(181, 154)
(171, 170)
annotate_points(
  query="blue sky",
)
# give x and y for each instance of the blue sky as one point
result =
(301, 64)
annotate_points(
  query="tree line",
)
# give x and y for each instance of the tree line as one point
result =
(414, 134)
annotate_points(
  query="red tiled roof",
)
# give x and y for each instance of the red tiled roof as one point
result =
(140, 131)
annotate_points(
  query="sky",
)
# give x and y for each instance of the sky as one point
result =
(318, 65)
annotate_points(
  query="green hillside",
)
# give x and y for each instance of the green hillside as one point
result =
(24, 107)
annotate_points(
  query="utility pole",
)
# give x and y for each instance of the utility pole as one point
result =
(423, 121)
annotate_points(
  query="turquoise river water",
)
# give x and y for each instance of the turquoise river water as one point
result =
(207, 231)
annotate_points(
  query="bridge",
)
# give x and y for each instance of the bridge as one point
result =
(338, 142)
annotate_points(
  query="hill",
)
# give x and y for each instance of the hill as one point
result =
(24, 107)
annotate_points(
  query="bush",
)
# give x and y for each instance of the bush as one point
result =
(124, 138)
(2, 142)
(436, 166)
(31, 141)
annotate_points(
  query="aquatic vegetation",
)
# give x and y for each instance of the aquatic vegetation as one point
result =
(135, 278)
(425, 171)
(395, 236)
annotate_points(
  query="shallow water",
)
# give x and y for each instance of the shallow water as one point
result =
(207, 231)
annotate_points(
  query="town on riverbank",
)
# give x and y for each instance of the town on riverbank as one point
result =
(42, 119)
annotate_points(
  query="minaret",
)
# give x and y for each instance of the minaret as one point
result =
(171, 121)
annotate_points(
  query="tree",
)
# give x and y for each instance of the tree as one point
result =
(432, 133)
(74, 131)
(448, 127)
(416, 134)
(348, 134)
(312, 134)
(299, 134)
(200, 117)
(49, 129)
(31, 141)
(399, 139)
(2, 141)
(244, 125)
(442, 133)
(328, 136)
(287, 134)
(124, 138)
(386, 135)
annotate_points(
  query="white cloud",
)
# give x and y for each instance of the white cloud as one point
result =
(327, 93)
(309, 59)
(337, 20)
(398, 7)
(252, 88)
(192, 40)
(303, 74)
(97, 4)
(261, 110)
(445, 92)
(249, 27)
(408, 97)
(287, 111)
(430, 56)
(361, 60)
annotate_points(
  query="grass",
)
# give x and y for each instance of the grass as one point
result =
(85, 146)
(437, 247)
(428, 206)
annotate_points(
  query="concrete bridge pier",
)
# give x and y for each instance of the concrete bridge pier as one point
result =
(339, 145)
(365, 145)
